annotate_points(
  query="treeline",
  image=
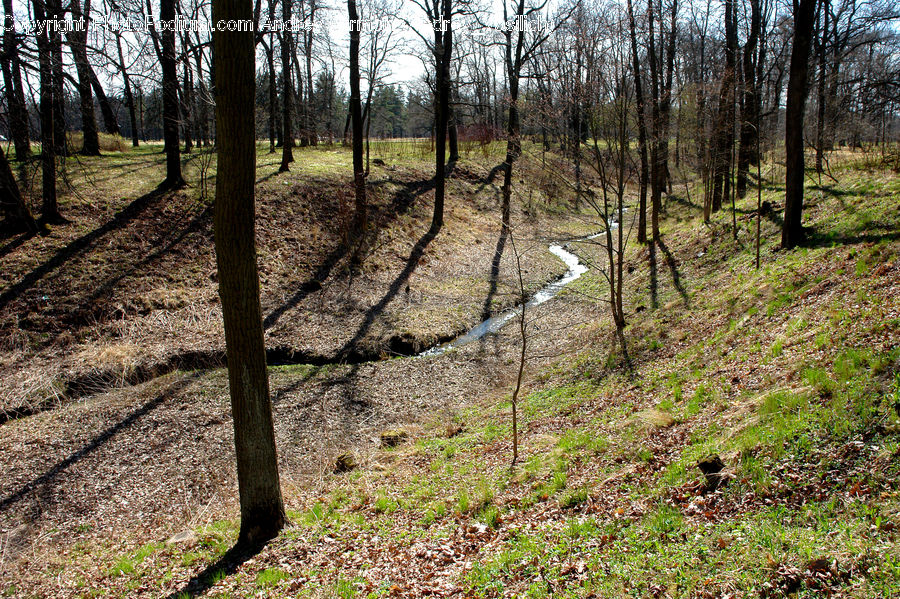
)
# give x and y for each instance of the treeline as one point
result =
(709, 84)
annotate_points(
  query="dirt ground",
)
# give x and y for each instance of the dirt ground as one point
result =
(127, 293)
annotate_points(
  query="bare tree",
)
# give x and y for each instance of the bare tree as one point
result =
(78, 43)
(642, 126)
(287, 136)
(262, 508)
(804, 22)
(12, 79)
(164, 44)
(12, 204)
(359, 175)
(49, 207)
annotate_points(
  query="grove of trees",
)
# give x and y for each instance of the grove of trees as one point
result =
(630, 99)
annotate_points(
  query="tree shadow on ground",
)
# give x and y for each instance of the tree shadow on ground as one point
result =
(814, 239)
(14, 244)
(492, 174)
(226, 565)
(40, 485)
(676, 276)
(373, 312)
(80, 245)
(494, 277)
(399, 204)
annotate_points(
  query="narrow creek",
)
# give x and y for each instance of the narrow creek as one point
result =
(93, 382)
(493, 324)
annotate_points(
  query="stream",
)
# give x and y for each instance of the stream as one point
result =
(493, 324)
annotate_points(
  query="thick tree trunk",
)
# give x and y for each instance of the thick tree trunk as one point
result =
(12, 203)
(443, 50)
(262, 509)
(15, 95)
(55, 11)
(287, 135)
(174, 178)
(642, 128)
(78, 44)
(724, 141)
(359, 176)
(311, 129)
(804, 22)
(49, 206)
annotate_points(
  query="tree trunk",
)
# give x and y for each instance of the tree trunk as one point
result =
(186, 93)
(273, 95)
(204, 99)
(359, 176)
(169, 63)
(311, 129)
(129, 96)
(724, 132)
(12, 204)
(820, 84)
(58, 97)
(747, 153)
(443, 50)
(15, 95)
(49, 206)
(287, 135)
(262, 509)
(804, 22)
(642, 128)
(78, 45)
(513, 64)
(106, 110)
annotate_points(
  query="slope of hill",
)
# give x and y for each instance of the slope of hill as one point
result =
(753, 449)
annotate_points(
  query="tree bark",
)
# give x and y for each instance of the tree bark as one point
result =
(273, 94)
(106, 110)
(262, 508)
(820, 84)
(129, 96)
(186, 100)
(12, 203)
(49, 206)
(804, 22)
(747, 152)
(55, 11)
(443, 50)
(168, 59)
(724, 132)
(312, 135)
(287, 135)
(642, 128)
(78, 44)
(513, 63)
(15, 95)
(359, 176)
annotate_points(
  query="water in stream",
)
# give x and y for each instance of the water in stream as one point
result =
(493, 324)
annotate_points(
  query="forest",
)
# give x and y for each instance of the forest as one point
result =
(512, 298)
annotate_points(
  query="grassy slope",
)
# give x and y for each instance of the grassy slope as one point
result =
(789, 373)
